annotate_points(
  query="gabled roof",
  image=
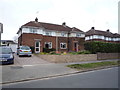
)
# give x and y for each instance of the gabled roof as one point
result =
(48, 26)
(99, 32)
(74, 29)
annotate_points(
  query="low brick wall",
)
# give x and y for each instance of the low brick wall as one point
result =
(69, 58)
(103, 56)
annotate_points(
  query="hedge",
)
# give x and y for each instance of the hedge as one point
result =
(103, 47)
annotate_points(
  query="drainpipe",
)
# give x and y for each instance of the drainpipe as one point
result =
(68, 42)
(21, 37)
(56, 42)
(0, 38)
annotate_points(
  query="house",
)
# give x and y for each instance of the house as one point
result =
(10, 43)
(42, 35)
(104, 36)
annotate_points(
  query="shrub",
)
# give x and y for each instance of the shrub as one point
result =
(47, 50)
(33, 49)
(84, 52)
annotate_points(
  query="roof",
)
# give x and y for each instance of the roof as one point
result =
(100, 32)
(76, 30)
(49, 26)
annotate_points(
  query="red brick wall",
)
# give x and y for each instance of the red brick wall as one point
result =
(29, 40)
(49, 39)
(80, 43)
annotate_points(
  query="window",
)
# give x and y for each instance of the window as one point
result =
(48, 33)
(78, 34)
(91, 37)
(48, 45)
(33, 30)
(63, 34)
(87, 38)
(63, 45)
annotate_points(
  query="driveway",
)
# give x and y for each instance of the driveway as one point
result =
(24, 60)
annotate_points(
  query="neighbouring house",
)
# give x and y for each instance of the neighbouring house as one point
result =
(104, 36)
(42, 35)
(10, 43)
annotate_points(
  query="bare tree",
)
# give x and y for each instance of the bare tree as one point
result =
(15, 39)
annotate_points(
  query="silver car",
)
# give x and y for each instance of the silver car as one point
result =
(24, 50)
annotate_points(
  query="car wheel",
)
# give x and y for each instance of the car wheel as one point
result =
(19, 56)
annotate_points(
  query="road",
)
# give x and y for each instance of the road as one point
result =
(105, 78)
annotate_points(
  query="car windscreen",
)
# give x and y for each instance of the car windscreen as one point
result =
(25, 48)
(5, 50)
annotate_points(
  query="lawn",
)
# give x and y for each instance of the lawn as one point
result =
(93, 65)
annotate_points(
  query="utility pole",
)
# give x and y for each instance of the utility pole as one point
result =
(1, 31)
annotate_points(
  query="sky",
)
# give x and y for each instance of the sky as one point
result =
(82, 14)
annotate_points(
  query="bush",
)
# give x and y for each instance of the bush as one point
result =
(33, 49)
(47, 50)
(102, 47)
(84, 52)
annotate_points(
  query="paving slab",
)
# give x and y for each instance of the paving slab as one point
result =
(25, 60)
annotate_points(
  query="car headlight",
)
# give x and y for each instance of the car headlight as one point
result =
(11, 56)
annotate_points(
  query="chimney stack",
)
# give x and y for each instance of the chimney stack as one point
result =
(64, 24)
(108, 30)
(36, 19)
(92, 27)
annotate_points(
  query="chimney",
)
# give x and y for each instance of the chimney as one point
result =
(108, 30)
(92, 27)
(36, 19)
(64, 24)
(73, 28)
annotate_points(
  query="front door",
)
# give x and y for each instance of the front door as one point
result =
(76, 47)
(37, 47)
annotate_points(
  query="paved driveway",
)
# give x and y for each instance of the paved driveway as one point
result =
(24, 60)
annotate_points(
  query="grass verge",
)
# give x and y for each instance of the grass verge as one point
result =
(94, 65)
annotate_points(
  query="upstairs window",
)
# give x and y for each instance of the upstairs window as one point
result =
(33, 30)
(48, 33)
(63, 45)
(48, 45)
(78, 34)
(63, 34)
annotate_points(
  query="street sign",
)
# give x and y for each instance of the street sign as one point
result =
(1, 28)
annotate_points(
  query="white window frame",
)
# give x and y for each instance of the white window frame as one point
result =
(32, 30)
(63, 34)
(48, 33)
(50, 44)
(61, 45)
(87, 38)
(78, 34)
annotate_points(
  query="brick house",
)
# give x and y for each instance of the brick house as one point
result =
(104, 36)
(46, 35)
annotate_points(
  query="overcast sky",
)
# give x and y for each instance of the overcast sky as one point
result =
(83, 14)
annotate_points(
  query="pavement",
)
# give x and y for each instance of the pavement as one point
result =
(25, 72)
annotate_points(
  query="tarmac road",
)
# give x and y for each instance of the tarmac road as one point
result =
(104, 78)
